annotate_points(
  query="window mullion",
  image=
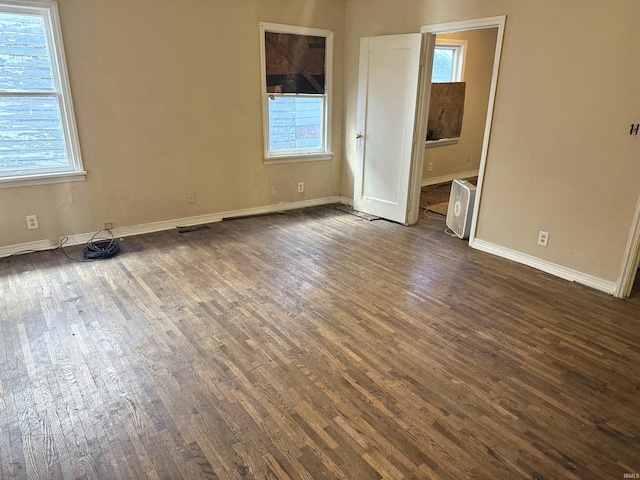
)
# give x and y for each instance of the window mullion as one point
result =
(30, 94)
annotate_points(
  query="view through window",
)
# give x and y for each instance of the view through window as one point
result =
(447, 62)
(37, 136)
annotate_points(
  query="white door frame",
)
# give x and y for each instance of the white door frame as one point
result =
(420, 127)
(631, 259)
(465, 25)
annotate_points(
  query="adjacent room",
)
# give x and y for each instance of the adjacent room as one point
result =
(220, 256)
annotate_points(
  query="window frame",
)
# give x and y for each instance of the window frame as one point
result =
(298, 155)
(460, 47)
(74, 171)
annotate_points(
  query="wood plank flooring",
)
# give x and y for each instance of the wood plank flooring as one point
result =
(439, 193)
(312, 344)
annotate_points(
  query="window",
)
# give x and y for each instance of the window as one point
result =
(448, 97)
(448, 61)
(38, 138)
(296, 92)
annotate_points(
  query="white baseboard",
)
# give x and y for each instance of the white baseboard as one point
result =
(448, 178)
(82, 238)
(543, 265)
(546, 266)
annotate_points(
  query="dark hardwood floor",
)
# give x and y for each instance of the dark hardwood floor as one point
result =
(439, 193)
(312, 344)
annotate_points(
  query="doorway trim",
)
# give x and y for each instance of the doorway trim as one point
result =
(631, 259)
(465, 25)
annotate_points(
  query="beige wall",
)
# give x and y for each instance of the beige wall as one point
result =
(167, 97)
(167, 100)
(465, 155)
(560, 156)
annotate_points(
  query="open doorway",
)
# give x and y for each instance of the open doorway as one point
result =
(635, 290)
(465, 156)
(394, 88)
(457, 117)
(628, 284)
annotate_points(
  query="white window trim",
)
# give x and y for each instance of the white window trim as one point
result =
(441, 142)
(461, 47)
(328, 74)
(48, 10)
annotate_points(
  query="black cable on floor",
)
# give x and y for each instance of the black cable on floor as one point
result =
(100, 249)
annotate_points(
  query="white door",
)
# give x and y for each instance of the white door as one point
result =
(386, 124)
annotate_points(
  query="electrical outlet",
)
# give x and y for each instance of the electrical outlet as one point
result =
(431, 166)
(300, 187)
(191, 197)
(108, 226)
(543, 238)
(468, 158)
(32, 222)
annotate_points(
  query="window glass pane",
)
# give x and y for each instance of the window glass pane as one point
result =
(294, 63)
(443, 65)
(295, 123)
(31, 133)
(24, 59)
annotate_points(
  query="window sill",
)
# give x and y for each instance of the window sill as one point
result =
(314, 157)
(440, 143)
(44, 179)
